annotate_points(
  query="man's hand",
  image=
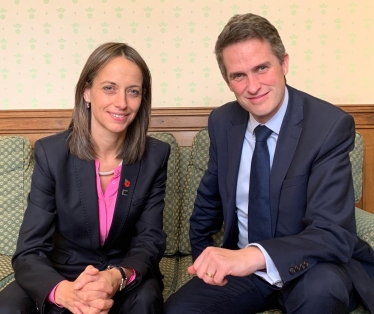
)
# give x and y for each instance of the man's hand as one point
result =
(214, 264)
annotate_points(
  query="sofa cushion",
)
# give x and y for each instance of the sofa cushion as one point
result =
(193, 178)
(365, 226)
(183, 276)
(184, 160)
(356, 156)
(6, 270)
(172, 198)
(16, 165)
(197, 165)
(168, 267)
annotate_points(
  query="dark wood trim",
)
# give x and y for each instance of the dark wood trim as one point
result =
(35, 124)
(183, 123)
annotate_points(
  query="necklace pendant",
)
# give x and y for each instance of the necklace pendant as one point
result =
(106, 173)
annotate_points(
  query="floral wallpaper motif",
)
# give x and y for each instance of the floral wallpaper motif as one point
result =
(44, 44)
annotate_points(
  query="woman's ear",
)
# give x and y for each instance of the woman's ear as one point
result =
(87, 95)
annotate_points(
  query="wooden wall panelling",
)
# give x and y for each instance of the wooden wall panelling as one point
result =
(183, 123)
(364, 120)
(35, 124)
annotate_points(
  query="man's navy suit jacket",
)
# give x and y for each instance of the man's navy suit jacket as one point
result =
(311, 189)
(59, 235)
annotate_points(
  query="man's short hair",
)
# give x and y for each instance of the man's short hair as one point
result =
(242, 27)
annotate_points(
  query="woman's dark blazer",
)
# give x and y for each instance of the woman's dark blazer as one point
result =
(59, 235)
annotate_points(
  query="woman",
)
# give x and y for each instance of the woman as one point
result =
(92, 237)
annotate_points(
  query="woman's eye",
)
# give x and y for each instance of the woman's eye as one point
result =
(108, 88)
(133, 92)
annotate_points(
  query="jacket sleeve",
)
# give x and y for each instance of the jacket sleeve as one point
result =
(32, 259)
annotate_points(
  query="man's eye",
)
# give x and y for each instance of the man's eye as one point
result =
(262, 68)
(237, 77)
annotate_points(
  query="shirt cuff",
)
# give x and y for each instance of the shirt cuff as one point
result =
(271, 275)
(132, 277)
(51, 297)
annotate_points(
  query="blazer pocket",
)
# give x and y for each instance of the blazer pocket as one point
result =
(294, 181)
(140, 200)
(60, 257)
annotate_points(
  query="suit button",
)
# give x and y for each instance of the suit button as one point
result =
(101, 260)
(305, 264)
(297, 268)
(292, 271)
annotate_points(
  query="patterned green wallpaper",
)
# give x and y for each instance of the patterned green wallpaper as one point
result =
(44, 44)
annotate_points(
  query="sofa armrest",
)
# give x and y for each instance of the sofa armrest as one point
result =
(365, 226)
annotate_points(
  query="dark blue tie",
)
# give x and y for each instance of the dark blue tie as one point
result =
(259, 219)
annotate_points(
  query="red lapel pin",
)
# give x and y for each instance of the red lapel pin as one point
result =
(127, 183)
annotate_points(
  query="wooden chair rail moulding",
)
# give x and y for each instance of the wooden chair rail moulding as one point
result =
(35, 124)
(183, 123)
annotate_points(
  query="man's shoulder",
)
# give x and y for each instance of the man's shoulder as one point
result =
(228, 107)
(313, 103)
(228, 111)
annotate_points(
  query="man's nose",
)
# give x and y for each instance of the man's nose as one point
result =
(253, 84)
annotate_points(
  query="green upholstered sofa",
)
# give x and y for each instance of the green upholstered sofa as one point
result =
(16, 166)
(185, 169)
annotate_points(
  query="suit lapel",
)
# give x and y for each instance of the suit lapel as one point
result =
(288, 139)
(86, 182)
(127, 183)
(235, 138)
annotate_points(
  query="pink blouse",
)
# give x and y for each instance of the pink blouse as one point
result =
(106, 200)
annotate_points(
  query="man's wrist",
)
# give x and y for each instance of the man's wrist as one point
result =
(257, 256)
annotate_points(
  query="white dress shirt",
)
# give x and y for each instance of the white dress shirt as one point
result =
(271, 275)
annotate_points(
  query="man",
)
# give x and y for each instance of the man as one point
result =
(290, 238)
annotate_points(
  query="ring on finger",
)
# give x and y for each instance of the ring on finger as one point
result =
(209, 274)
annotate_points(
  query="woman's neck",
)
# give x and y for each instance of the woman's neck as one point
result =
(107, 145)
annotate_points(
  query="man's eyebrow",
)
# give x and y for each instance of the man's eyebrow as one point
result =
(254, 69)
(264, 64)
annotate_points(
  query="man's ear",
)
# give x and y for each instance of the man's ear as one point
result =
(285, 63)
(229, 85)
(227, 82)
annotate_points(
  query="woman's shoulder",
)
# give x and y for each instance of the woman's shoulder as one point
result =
(157, 147)
(56, 141)
(156, 143)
